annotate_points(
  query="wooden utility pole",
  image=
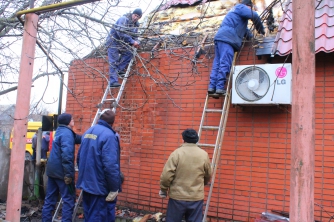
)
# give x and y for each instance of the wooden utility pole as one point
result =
(15, 183)
(303, 112)
(16, 170)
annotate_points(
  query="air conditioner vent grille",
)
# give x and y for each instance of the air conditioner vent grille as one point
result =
(252, 83)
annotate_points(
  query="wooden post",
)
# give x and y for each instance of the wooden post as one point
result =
(16, 170)
(303, 109)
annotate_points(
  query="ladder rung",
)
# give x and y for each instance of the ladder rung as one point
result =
(208, 145)
(210, 127)
(214, 110)
(109, 100)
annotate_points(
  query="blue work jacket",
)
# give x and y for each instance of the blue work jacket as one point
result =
(123, 31)
(234, 26)
(98, 160)
(61, 159)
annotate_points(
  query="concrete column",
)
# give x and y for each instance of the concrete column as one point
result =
(16, 170)
(303, 112)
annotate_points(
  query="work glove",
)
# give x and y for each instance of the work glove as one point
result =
(162, 194)
(68, 180)
(111, 196)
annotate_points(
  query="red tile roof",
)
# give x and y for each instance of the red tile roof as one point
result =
(324, 29)
(179, 2)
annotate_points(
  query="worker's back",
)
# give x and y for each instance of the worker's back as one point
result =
(192, 165)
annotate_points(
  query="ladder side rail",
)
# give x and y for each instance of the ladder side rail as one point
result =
(76, 206)
(203, 117)
(97, 116)
(98, 112)
(57, 210)
(120, 92)
(99, 108)
(215, 164)
(93, 123)
(225, 109)
(220, 135)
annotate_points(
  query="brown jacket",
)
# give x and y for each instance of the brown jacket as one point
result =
(186, 172)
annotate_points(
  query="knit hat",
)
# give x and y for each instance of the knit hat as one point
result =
(64, 118)
(138, 11)
(247, 2)
(108, 116)
(190, 136)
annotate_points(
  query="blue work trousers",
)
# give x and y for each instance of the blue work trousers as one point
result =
(112, 210)
(95, 207)
(119, 57)
(68, 195)
(191, 210)
(221, 65)
(44, 153)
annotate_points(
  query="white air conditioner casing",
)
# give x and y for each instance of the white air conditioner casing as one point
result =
(266, 84)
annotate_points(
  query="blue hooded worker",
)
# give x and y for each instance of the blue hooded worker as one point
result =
(228, 40)
(121, 39)
(99, 169)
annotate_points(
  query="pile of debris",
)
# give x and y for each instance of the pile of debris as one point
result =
(30, 210)
(126, 214)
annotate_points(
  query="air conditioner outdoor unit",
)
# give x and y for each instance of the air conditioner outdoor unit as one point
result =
(266, 84)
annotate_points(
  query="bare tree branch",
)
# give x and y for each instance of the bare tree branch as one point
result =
(35, 78)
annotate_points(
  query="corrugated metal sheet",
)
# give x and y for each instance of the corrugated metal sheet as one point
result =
(324, 29)
(265, 46)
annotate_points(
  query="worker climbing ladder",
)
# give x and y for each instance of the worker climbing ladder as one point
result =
(220, 129)
(114, 102)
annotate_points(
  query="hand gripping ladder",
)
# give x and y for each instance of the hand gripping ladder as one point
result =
(99, 111)
(220, 132)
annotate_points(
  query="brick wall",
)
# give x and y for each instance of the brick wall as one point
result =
(167, 96)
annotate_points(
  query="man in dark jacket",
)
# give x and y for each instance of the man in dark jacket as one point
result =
(228, 40)
(119, 42)
(99, 169)
(60, 170)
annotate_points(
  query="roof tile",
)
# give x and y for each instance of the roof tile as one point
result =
(324, 29)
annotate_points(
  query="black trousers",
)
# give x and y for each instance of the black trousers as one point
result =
(191, 210)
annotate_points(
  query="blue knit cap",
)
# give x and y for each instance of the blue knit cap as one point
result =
(247, 2)
(138, 12)
(64, 118)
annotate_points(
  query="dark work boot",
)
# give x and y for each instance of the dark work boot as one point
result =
(115, 85)
(221, 91)
(121, 74)
(211, 91)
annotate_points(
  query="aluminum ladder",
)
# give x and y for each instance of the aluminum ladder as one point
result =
(99, 111)
(220, 131)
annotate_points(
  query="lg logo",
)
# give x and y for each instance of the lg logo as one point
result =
(280, 81)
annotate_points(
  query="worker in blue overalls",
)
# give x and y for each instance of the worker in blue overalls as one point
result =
(228, 40)
(119, 43)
